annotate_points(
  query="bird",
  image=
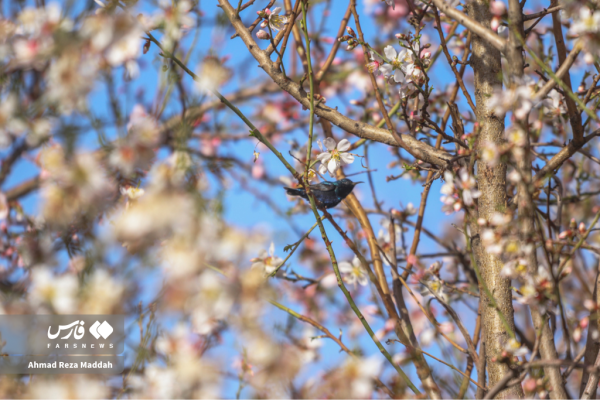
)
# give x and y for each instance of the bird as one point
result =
(327, 194)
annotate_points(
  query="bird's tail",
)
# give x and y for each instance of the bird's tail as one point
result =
(295, 192)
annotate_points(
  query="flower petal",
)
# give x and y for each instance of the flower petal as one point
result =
(322, 168)
(272, 249)
(324, 156)
(390, 53)
(276, 10)
(343, 145)
(332, 166)
(345, 267)
(329, 144)
(362, 280)
(398, 76)
(347, 158)
(320, 144)
(386, 69)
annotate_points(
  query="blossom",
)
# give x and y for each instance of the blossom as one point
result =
(490, 154)
(396, 61)
(375, 63)
(335, 156)
(517, 98)
(131, 192)
(354, 273)
(469, 187)
(211, 75)
(434, 286)
(58, 291)
(274, 20)
(268, 262)
(356, 377)
(514, 347)
(173, 19)
(212, 303)
(413, 73)
(554, 104)
(587, 22)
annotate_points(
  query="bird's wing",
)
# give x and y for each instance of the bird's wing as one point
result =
(323, 186)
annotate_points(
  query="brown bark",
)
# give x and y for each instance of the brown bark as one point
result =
(515, 66)
(492, 184)
(592, 346)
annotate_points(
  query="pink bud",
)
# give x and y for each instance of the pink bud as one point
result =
(577, 335)
(529, 385)
(412, 259)
(581, 228)
(497, 8)
(495, 24)
(267, 11)
(350, 31)
(263, 35)
(584, 322)
(590, 304)
(565, 234)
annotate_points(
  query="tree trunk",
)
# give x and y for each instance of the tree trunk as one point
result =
(492, 184)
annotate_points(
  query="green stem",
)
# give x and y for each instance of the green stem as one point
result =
(334, 263)
(560, 83)
(296, 245)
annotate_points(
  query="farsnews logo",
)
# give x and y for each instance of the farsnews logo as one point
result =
(101, 329)
(77, 330)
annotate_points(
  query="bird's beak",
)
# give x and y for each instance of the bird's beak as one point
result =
(356, 183)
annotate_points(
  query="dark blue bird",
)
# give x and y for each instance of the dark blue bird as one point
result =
(326, 194)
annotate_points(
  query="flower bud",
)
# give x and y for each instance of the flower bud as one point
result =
(565, 234)
(497, 8)
(146, 46)
(352, 43)
(350, 31)
(495, 24)
(581, 228)
(263, 35)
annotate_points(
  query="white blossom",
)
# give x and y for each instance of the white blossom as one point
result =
(335, 155)
(354, 273)
(268, 262)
